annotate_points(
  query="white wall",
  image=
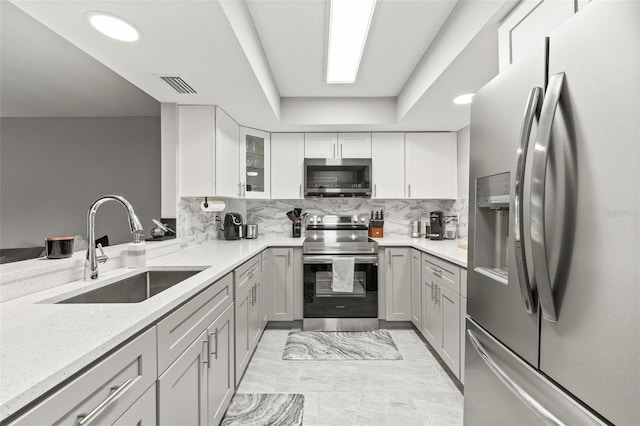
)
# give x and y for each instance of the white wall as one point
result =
(464, 139)
(52, 169)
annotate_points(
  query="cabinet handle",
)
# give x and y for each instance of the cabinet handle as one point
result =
(375, 190)
(244, 189)
(389, 258)
(437, 272)
(239, 189)
(439, 294)
(289, 257)
(117, 392)
(432, 288)
(207, 359)
(334, 150)
(340, 150)
(409, 194)
(300, 190)
(215, 341)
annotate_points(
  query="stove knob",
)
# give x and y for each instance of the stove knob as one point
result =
(319, 220)
(363, 219)
(312, 219)
(354, 219)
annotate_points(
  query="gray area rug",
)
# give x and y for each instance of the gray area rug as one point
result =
(265, 409)
(340, 345)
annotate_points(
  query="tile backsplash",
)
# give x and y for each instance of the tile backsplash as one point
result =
(270, 215)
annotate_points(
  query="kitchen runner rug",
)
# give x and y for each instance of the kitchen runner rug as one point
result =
(265, 409)
(340, 345)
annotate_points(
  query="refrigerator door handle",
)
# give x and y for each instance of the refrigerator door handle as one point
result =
(511, 384)
(538, 182)
(532, 110)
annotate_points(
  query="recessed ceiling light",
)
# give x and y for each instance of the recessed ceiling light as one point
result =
(113, 26)
(463, 99)
(349, 23)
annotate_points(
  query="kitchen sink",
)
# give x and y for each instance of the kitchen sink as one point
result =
(135, 289)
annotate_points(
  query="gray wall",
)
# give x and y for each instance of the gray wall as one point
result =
(52, 169)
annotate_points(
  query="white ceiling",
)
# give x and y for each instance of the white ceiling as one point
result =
(263, 61)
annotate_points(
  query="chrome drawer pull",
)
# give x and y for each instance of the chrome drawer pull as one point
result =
(117, 392)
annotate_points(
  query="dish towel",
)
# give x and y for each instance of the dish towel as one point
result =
(342, 280)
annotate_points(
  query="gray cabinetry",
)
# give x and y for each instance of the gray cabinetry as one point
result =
(221, 372)
(142, 412)
(104, 392)
(398, 284)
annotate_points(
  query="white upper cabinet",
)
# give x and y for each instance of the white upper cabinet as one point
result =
(287, 163)
(255, 163)
(529, 24)
(387, 165)
(196, 151)
(320, 145)
(431, 165)
(354, 145)
(337, 145)
(227, 156)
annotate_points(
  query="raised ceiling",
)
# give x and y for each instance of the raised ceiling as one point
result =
(263, 61)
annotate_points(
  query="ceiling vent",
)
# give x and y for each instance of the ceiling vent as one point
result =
(178, 84)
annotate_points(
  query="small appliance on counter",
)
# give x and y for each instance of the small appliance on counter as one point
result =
(250, 231)
(232, 227)
(376, 224)
(436, 219)
(450, 227)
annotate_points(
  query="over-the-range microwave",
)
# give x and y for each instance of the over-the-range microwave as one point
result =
(337, 177)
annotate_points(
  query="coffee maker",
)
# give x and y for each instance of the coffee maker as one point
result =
(436, 219)
(232, 226)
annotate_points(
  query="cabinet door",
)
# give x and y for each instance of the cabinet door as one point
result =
(142, 412)
(242, 339)
(320, 145)
(398, 282)
(354, 145)
(463, 329)
(416, 288)
(449, 349)
(196, 151)
(431, 313)
(182, 389)
(280, 284)
(255, 320)
(387, 165)
(255, 163)
(263, 289)
(287, 166)
(431, 165)
(221, 382)
(227, 156)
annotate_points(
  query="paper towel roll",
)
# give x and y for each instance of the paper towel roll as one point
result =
(213, 206)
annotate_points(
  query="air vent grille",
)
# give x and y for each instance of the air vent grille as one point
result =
(179, 84)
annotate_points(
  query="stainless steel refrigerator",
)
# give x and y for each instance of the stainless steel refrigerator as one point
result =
(553, 325)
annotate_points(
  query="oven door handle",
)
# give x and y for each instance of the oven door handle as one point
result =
(323, 259)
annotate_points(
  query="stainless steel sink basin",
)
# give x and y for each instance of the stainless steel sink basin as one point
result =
(134, 289)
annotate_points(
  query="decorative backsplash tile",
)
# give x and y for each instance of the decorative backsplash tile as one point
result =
(270, 215)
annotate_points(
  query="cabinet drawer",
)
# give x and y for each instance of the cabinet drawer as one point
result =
(105, 391)
(177, 331)
(444, 272)
(245, 273)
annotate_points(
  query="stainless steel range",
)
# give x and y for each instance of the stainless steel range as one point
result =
(340, 274)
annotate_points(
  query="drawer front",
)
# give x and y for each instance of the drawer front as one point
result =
(445, 273)
(182, 327)
(245, 273)
(105, 391)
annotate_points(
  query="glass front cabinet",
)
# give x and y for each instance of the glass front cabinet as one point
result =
(255, 161)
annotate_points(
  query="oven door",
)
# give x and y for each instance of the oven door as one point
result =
(320, 301)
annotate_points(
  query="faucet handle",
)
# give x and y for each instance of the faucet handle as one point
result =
(103, 257)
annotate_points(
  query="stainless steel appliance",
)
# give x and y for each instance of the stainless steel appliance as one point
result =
(553, 295)
(337, 177)
(436, 219)
(232, 227)
(330, 238)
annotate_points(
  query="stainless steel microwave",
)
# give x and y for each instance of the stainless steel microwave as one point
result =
(337, 177)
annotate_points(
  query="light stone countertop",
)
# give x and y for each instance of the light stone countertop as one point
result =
(43, 343)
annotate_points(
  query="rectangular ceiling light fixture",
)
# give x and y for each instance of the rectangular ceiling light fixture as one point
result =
(349, 22)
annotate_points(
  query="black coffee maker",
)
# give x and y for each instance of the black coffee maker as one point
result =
(232, 226)
(436, 220)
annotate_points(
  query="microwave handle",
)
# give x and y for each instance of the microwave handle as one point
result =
(322, 259)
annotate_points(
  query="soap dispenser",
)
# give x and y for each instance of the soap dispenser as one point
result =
(136, 252)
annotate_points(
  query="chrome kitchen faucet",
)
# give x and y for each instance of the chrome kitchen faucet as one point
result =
(91, 263)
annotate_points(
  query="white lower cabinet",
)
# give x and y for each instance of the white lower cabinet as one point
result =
(243, 341)
(431, 313)
(280, 284)
(221, 382)
(105, 392)
(398, 284)
(449, 347)
(416, 288)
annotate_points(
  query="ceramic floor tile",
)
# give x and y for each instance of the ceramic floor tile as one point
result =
(412, 391)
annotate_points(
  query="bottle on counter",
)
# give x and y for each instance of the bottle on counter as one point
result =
(136, 252)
